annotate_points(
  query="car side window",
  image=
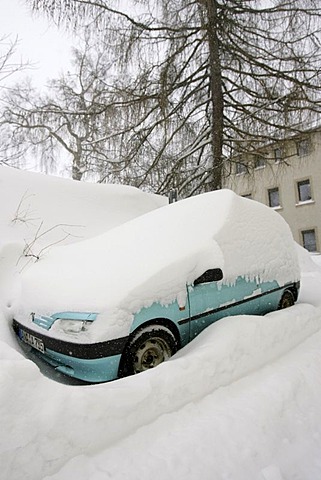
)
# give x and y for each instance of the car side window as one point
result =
(212, 275)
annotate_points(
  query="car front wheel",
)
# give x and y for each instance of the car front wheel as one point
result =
(150, 346)
(287, 300)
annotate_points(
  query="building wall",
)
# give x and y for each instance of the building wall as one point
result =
(295, 167)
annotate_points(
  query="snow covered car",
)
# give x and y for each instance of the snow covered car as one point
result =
(125, 301)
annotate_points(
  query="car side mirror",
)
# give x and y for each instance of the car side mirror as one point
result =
(212, 275)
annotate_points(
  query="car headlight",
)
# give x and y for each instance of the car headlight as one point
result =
(70, 322)
(71, 326)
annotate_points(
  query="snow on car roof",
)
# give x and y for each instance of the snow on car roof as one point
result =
(153, 256)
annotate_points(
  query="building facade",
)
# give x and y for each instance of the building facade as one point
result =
(287, 177)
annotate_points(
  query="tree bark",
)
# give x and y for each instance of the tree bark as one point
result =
(216, 95)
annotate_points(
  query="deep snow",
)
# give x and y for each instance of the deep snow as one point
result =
(242, 401)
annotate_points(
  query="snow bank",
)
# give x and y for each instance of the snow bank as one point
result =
(311, 277)
(62, 210)
(55, 422)
(242, 401)
(265, 426)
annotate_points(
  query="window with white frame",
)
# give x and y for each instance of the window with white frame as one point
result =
(240, 168)
(278, 154)
(274, 197)
(259, 161)
(304, 190)
(303, 147)
(309, 240)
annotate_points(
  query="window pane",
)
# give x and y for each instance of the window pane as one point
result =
(259, 161)
(213, 275)
(240, 168)
(309, 240)
(274, 200)
(278, 155)
(304, 190)
(303, 147)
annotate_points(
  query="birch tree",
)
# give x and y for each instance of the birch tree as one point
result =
(9, 66)
(71, 122)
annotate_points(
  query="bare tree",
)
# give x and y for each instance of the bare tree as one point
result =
(9, 66)
(71, 122)
(202, 79)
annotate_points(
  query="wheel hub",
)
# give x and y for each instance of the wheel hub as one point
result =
(150, 354)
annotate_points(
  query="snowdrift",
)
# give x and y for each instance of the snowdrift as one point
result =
(56, 210)
(39, 212)
(242, 401)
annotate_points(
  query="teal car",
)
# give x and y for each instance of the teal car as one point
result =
(173, 272)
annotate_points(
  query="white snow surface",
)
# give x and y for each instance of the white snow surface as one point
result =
(240, 402)
(61, 208)
(39, 212)
(152, 257)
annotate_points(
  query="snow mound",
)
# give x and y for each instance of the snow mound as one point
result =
(242, 401)
(40, 212)
(311, 276)
(57, 210)
(68, 424)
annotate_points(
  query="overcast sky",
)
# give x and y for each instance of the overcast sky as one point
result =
(39, 42)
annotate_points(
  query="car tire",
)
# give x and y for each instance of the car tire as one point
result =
(287, 300)
(149, 347)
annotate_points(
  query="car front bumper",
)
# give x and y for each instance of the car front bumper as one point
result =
(90, 362)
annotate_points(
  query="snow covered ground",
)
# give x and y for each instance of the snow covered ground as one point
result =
(241, 402)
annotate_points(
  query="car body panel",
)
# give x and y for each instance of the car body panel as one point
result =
(178, 315)
(210, 302)
(205, 304)
(94, 370)
(98, 362)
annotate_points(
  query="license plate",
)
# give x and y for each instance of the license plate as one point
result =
(31, 340)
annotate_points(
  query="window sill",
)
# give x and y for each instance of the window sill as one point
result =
(307, 202)
(302, 155)
(260, 168)
(279, 207)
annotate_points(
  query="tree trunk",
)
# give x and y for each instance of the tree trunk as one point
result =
(216, 93)
(77, 171)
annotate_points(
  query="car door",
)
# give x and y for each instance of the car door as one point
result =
(210, 299)
(204, 299)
